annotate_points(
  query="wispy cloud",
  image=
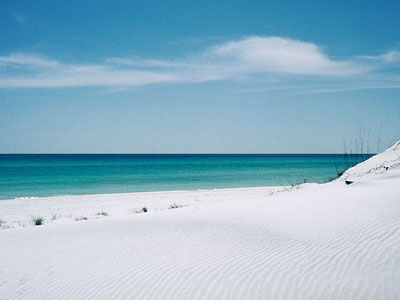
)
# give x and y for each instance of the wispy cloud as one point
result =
(47, 73)
(137, 62)
(27, 60)
(351, 89)
(391, 56)
(251, 58)
(19, 17)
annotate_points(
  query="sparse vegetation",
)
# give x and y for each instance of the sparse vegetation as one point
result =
(294, 183)
(38, 220)
(82, 218)
(358, 149)
(172, 206)
(102, 213)
(143, 210)
(54, 217)
(2, 223)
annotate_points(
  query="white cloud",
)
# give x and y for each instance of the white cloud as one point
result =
(283, 56)
(252, 58)
(105, 79)
(147, 62)
(30, 71)
(28, 60)
(391, 56)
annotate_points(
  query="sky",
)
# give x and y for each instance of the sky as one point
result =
(199, 76)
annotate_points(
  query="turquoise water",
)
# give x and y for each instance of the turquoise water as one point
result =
(62, 174)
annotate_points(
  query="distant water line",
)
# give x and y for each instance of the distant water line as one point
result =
(42, 175)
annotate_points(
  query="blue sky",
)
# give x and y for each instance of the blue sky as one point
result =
(198, 76)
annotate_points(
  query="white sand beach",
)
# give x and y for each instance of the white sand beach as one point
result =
(312, 241)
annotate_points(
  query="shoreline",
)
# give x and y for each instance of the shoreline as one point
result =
(19, 212)
(52, 177)
(145, 192)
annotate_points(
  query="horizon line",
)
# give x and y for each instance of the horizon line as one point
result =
(209, 153)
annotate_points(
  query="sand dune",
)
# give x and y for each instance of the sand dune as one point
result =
(329, 241)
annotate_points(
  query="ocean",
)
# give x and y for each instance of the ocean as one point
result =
(42, 175)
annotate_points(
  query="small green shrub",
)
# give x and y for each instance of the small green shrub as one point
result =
(4, 225)
(143, 210)
(54, 217)
(38, 221)
(102, 213)
(172, 206)
(82, 218)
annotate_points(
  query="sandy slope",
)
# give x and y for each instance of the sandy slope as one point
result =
(330, 241)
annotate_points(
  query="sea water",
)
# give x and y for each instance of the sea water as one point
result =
(42, 175)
